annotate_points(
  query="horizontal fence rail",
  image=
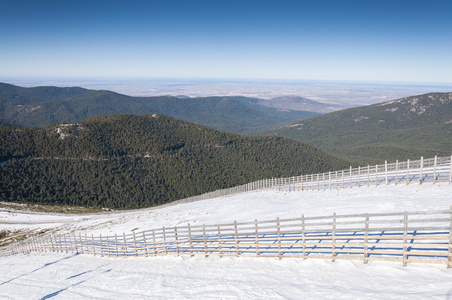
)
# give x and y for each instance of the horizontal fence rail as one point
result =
(406, 237)
(437, 169)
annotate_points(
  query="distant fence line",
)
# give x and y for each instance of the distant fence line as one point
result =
(437, 169)
(406, 237)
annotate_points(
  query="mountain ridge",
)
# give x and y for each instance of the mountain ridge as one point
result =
(235, 114)
(130, 161)
(405, 128)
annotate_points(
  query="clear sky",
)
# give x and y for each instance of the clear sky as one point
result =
(315, 40)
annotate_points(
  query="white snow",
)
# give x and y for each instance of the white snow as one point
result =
(68, 276)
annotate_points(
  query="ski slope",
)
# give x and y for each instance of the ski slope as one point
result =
(69, 276)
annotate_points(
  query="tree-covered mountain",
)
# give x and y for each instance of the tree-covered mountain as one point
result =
(23, 95)
(400, 129)
(125, 161)
(42, 106)
(5, 123)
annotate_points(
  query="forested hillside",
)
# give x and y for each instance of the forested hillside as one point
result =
(407, 128)
(42, 106)
(22, 95)
(125, 161)
(8, 124)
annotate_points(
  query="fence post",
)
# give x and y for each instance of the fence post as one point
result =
(164, 240)
(408, 172)
(32, 244)
(204, 238)
(333, 239)
(189, 240)
(450, 167)
(405, 238)
(386, 172)
(366, 239)
(278, 229)
(236, 239)
(422, 167)
(145, 244)
(303, 236)
(342, 178)
(94, 250)
(257, 237)
(368, 175)
(81, 243)
(329, 180)
(51, 241)
(219, 241)
(86, 243)
(75, 243)
(135, 243)
(449, 261)
(434, 169)
(359, 176)
(65, 243)
(350, 176)
(100, 245)
(397, 172)
(68, 243)
(126, 251)
(155, 244)
(376, 175)
(36, 242)
(177, 240)
(337, 184)
(116, 245)
(108, 247)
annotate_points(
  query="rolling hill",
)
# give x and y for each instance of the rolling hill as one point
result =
(41, 106)
(406, 128)
(126, 161)
(23, 95)
(299, 103)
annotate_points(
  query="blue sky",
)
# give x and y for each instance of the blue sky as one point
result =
(403, 41)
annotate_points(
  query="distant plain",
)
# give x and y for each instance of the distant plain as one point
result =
(344, 94)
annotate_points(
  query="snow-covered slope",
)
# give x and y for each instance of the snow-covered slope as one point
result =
(68, 276)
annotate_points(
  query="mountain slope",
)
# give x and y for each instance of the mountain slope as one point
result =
(299, 103)
(233, 114)
(124, 161)
(23, 95)
(400, 129)
(5, 123)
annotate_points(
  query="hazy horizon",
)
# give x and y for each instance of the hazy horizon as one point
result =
(342, 93)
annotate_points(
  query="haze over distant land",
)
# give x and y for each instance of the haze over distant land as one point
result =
(341, 93)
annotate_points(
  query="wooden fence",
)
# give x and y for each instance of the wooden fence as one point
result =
(406, 237)
(437, 169)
